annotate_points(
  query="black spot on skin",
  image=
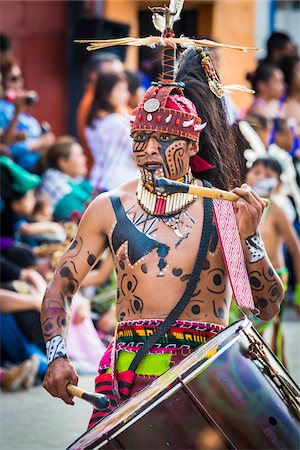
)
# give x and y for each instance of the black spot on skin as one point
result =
(217, 279)
(255, 282)
(206, 265)
(129, 285)
(73, 245)
(122, 265)
(221, 313)
(71, 287)
(144, 268)
(196, 309)
(136, 305)
(123, 257)
(91, 259)
(64, 271)
(214, 240)
(262, 302)
(48, 326)
(270, 271)
(274, 292)
(122, 315)
(118, 293)
(64, 322)
(177, 272)
(185, 277)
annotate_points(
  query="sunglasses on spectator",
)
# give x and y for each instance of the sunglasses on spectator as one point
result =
(14, 78)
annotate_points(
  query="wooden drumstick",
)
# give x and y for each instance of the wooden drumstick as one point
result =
(171, 187)
(98, 401)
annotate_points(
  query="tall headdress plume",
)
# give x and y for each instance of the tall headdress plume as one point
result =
(165, 107)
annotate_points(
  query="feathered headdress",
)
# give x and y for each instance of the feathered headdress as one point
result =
(164, 107)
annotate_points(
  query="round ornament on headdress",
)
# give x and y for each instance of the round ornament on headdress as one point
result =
(151, 105)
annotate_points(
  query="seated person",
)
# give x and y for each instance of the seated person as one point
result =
(64, 181)
(17, 194)
(23, 133)
(20, 330)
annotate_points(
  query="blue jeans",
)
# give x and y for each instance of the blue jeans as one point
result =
(14, 346)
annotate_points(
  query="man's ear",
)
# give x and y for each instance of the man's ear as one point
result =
(193, 148)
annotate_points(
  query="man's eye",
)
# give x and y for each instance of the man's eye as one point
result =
(139, 137)
(165, 138)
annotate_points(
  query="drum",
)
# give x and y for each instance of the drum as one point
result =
(230, 393)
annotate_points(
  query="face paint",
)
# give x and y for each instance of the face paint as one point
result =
(171, 152)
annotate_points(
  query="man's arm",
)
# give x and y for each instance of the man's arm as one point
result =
(266, 286)
(81, 255)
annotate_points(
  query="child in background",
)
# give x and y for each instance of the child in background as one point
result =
(43, 210)
(18, 206)
(264, 178)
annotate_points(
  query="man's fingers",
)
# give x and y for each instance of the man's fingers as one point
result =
(250, 197)
(259, 199)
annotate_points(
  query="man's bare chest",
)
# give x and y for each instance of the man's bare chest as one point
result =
(138, 236)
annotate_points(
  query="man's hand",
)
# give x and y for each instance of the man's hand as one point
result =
(248, 210)
(59, 374)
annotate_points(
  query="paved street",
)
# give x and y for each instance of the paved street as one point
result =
(35, 421)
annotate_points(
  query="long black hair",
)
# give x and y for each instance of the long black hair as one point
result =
(104, 85)
(217, 145)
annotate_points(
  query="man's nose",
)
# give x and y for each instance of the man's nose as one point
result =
(152, 146)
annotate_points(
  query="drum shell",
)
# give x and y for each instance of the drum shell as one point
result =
(229, 399)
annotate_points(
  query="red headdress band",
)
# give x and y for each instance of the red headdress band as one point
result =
(166, 109)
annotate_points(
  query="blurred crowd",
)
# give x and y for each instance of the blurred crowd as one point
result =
(47, 181)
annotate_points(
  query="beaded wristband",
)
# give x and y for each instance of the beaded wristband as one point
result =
(255, 247)
(55, 348)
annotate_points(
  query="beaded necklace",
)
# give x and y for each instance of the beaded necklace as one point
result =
(163, 204)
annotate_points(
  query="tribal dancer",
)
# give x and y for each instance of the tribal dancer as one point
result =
(155, 238)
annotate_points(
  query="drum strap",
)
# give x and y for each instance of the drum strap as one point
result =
(190, 288)
(233, 256)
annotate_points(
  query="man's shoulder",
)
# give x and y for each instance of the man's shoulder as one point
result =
(123, 192)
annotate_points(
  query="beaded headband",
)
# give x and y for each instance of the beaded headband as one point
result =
(164, 112)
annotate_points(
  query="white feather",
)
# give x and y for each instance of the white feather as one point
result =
(176, 6)
(159, 22)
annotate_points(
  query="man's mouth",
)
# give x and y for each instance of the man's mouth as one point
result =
(152, 166)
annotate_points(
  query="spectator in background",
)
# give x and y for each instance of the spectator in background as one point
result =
(136, 90)
(64, 181)
(290, 67)
(268, 83)
(20, 330)
(108, 134)
(98, 63)
(31, 140)
(275, 228)
(279, 45)
(264, 127)
(6, 53)
(19, 203)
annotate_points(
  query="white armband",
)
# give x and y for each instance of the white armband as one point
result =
(255, 247)
(55, 348)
